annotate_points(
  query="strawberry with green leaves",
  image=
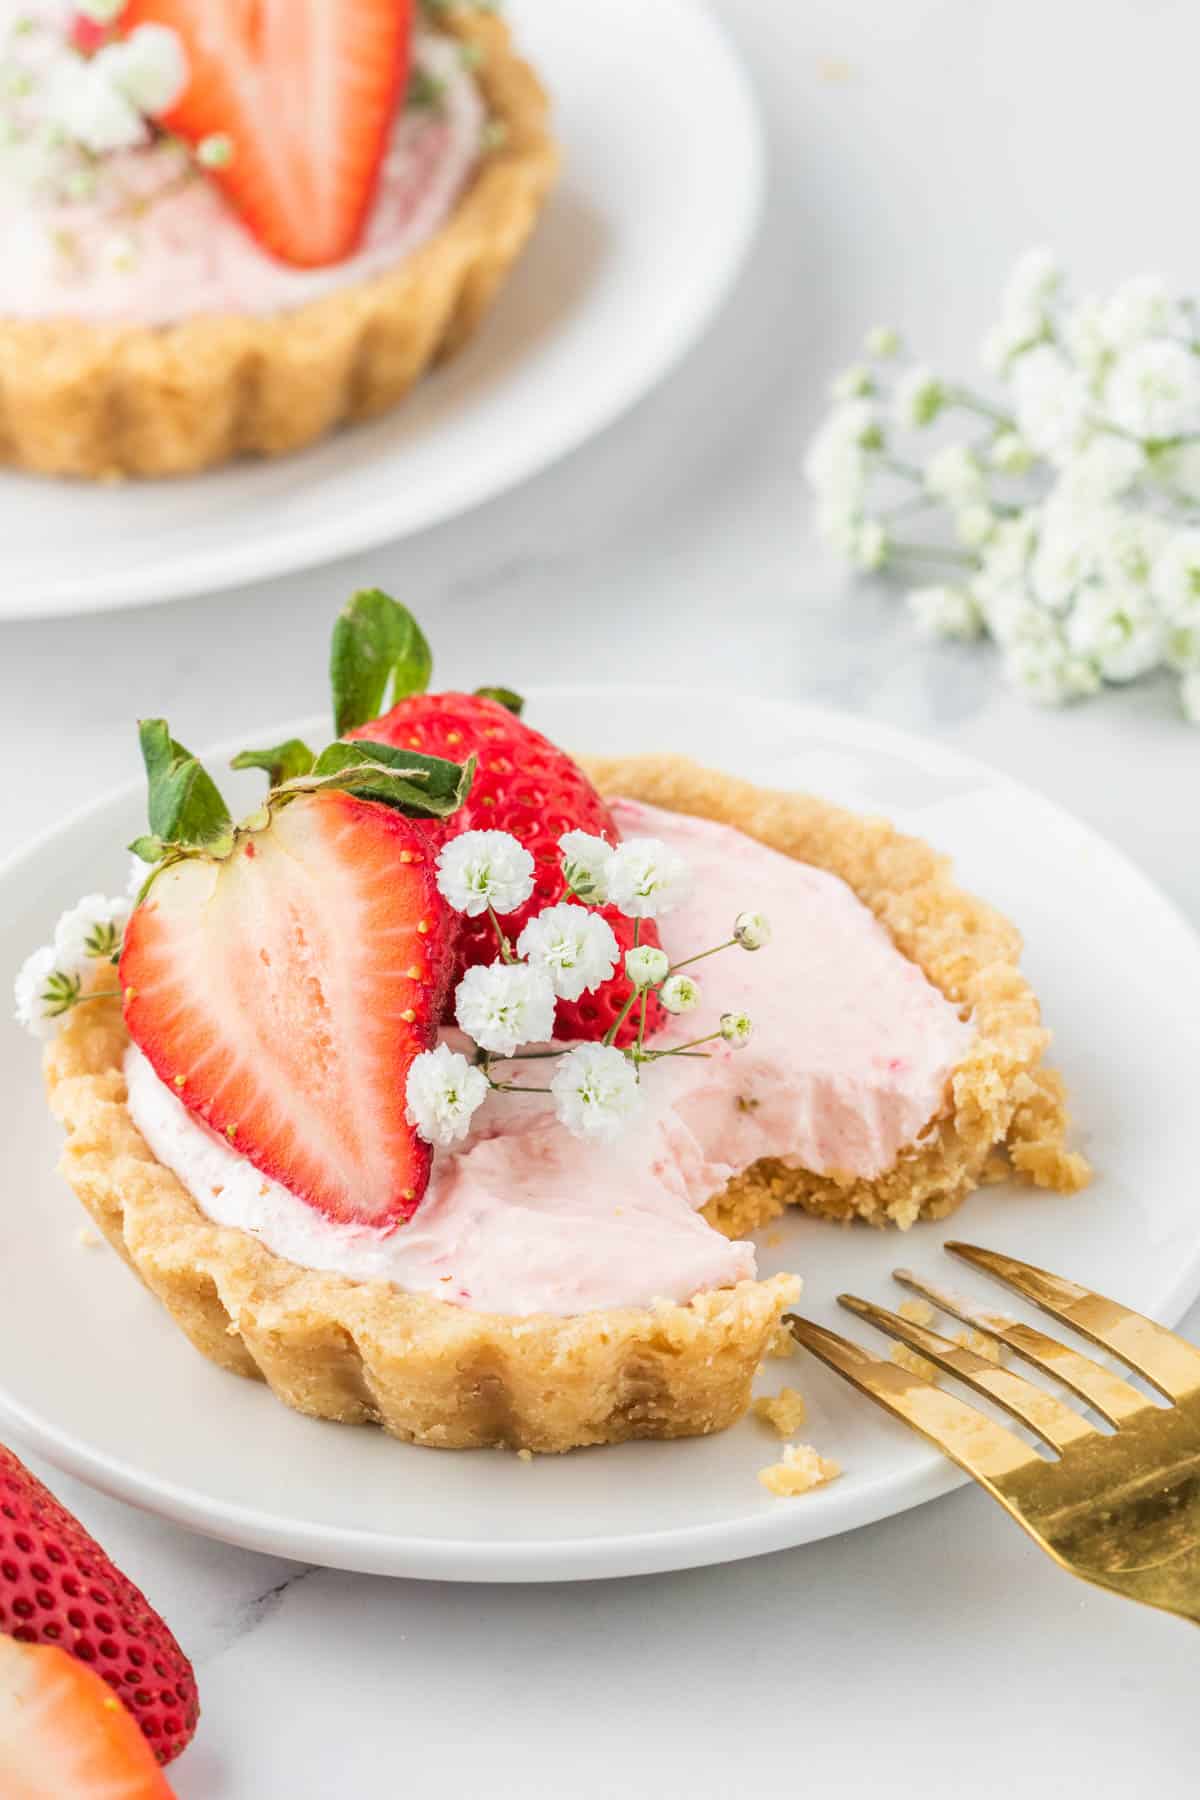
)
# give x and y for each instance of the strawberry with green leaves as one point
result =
(281, 975)
(523, 783)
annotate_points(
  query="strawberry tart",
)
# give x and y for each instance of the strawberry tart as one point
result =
(231, 225)
(443, 1090)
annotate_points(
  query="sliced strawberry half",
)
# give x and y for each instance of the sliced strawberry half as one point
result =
(284, 991)
(305, 92)
(64, 1733)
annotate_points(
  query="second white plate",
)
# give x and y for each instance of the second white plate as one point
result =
(638, 246)
(94, 1375)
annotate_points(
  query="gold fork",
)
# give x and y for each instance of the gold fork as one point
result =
(1120, 1510)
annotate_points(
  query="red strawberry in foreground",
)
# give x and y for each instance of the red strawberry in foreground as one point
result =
(305, 94)
(284, 988)
(59, 1589)
(527, 786)
(63, 1736)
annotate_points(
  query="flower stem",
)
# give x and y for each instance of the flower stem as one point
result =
(964, 559)
(895, 465)
(681, 1049)
(960, 396)
(505, 947)
(701, 954)
(610, 1036)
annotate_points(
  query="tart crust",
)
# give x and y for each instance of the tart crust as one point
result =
(105, 401)
(441, 1375)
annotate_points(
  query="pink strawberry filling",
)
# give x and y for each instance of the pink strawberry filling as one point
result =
(850, 1060)
(150, 243)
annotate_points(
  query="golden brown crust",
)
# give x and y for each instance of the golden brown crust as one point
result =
(364, 1351)
(440, 1375)
(105, 401)
(1007, 1113)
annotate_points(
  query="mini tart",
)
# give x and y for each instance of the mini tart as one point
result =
(442, 1375)
(106, 401)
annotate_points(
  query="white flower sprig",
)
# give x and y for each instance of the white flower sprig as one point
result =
(1064, 519)
(563, 952)
(53, 979)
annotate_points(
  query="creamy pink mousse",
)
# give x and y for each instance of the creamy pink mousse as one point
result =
(156, 241)
(850, 1060)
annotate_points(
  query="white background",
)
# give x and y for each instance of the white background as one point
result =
(915, 148)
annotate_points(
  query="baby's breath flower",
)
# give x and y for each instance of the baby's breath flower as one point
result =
(945, 611)
(1007, 343)
(882, 342)
(215, 151)
(752, 930)
(1128, 546)
(1141, 308)
(647, 878)
(853, 383)
(576, 948)
(595, 1090)
(148, 67)
(1189, 696)
(737, 1029)
(90, 931)
(504, 1005)
(32, 993)
(443, 1092)
(680, 993)
(482, 869)
(974, 525)
(585, 861)
(1175, 578)
(1103, 471)
(1117, 629)
(646, 965)
(1087, 340)
(1049, 673)
(1009, 453)
(1051, 402)
(101, 12)
(871, 545)
(953, 474)
(89, 109)
(1153, 389)
(1035, 280)
(1181, 647)
(919, 398)
(1065, 555)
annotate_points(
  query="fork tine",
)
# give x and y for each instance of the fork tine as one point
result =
(984, 1449)
(1059, 1425)
(1164, 1359)
(1111, 1397)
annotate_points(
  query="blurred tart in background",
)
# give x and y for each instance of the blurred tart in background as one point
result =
(231, 226)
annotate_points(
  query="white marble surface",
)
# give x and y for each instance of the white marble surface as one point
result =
(916, 146)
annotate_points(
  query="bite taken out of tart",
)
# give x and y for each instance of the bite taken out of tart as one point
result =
(442, 1090)
(230, 228)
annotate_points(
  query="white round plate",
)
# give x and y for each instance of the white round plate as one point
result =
(96, 1377)
(660, 191)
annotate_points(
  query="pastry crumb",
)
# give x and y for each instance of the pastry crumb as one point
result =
(87, 1239)
(917, 1312)
(524, 1455)
(773, 1240)
(785, 1411)
(801, 1470)
(916, 1365)
(981, 1344)
(782, 1342)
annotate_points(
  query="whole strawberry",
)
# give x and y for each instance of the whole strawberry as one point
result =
(523, 784)
(58, 1587)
